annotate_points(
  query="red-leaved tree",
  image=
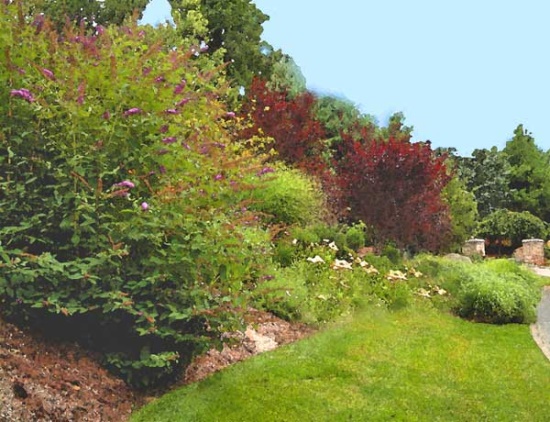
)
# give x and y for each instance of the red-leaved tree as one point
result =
(395, 187)
(297, 136)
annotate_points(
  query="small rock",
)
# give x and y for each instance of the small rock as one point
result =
(261, 343)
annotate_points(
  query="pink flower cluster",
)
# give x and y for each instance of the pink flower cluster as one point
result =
(22, 93)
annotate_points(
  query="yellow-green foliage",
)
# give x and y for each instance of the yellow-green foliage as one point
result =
(287, 196)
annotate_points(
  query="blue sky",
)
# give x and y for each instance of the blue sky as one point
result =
(464, 73)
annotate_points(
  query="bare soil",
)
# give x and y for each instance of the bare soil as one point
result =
(42, 380)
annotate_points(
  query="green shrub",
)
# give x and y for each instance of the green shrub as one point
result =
(495, 291)
(498, 298)
(392, 253)
(116, 165)
(355, 237)
(287, 196)
(509, 228)
(445, 273)
(284, 253)
(327, 231)
(305, 235)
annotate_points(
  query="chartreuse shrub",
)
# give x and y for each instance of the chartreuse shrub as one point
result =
(116, 177)
(287, 196)
(496, 291)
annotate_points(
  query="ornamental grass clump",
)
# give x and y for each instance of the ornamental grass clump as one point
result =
(500, 292)
(496, 291)
(498, 299)
(114, 226)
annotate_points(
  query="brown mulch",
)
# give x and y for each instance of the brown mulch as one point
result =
(42, 380)
(45, 381)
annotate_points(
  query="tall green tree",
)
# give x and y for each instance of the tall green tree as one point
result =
(529, 174)
(340, 116)
(487, 175)
(396, 128)
(463, 209)
(235, 27)
(286, 75)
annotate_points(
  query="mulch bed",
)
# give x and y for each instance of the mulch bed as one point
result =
(42, 380)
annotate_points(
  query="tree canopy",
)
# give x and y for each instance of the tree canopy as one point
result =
(529, 179)
(235, 27)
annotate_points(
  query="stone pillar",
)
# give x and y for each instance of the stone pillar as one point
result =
(474, 247)
(533, 251)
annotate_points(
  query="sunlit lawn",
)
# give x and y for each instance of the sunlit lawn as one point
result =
(413, 364)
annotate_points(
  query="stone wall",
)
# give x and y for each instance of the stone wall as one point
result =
(474, 247)
(532, 252)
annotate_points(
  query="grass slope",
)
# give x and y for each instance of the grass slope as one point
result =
(413, 364)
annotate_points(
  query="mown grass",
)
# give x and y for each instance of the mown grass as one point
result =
(416, 364)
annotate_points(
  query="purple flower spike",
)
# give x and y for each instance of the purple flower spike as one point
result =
(162, 151)
(162, 169)
(22, 93)
(169, 140)
(163, 129)
(186, 146)
(179, 88)
(126, 184)
(132, 111)
(172, 111)
(159, 79)
(265, 170)
(106, 115)
(182, 102)
(146, 70)
(230, 114)
(48, 74)
(144, 206)
(218, 177)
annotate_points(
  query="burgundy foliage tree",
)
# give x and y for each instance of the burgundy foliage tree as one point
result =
(297, 137)
(395, 187)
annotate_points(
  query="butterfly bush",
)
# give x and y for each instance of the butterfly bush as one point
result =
(110, 210)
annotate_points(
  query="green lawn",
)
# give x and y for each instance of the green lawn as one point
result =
(413, 364)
